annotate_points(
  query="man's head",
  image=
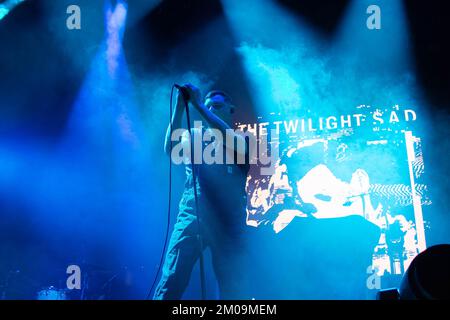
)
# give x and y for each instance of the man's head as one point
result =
(220, 104)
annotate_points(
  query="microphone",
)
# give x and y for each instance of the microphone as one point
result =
(183, 91)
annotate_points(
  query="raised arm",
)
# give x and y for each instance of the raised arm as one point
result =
(215, 122)
(176, 122)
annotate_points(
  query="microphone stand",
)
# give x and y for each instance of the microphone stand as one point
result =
(194, 178)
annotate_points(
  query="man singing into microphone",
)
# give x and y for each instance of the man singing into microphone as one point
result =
(221, 205)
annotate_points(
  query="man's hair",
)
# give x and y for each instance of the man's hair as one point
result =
(225, 95)
(218, 93)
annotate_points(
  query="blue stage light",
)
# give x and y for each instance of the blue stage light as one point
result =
(7, 6)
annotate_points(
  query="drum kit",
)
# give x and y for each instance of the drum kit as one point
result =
(98, 283)
(18, 286)
(52, 293)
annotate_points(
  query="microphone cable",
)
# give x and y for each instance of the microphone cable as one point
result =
(166, 238)
(200, 239)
